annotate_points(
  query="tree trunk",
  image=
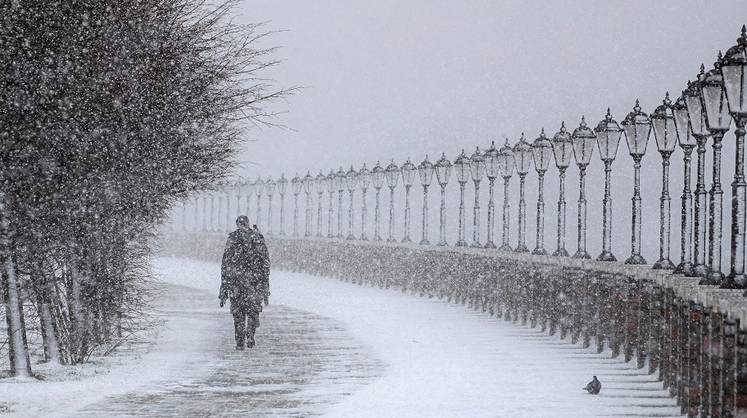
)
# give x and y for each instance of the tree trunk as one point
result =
(46, 320)
(20, 365)
(18, 352)
(79, 334)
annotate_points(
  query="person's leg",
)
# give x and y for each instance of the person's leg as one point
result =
(239, 323)
(252, 321)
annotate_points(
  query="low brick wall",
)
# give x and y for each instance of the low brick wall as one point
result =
(689, 335)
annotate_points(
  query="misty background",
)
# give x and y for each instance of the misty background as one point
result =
(391, 79)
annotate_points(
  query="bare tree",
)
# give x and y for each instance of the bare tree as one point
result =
(114, 112)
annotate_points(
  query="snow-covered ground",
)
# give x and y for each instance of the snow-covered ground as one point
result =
(71, 387)
(443, 360)
(335, 348)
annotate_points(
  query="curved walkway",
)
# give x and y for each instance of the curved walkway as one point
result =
(339, 349)
(303, 363)
(444, 360)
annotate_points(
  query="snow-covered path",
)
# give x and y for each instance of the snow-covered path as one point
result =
(443, 360)
(332, 348)
(303, 364)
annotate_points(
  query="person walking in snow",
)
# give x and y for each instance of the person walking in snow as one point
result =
(594, 387)
(245, 279)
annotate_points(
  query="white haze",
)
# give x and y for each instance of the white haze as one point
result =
(392, 79)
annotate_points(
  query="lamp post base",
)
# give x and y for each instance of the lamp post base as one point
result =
(443, 244)
(351, 237)
(521, 249)
(583, 255)
(685, 268)
(425, 242)
(490, 244)
(560, 252)
(713, 278)
(330, 236)
(406, 240)
(377, 238)
(539, 251)
(636, 259)
(606, 256)
(735, 281)
(461, 243)
(699, 270)
(663, 264)
(476, 245)
(505, 247)
(391, 240)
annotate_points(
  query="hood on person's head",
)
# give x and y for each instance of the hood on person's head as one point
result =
(243, 222)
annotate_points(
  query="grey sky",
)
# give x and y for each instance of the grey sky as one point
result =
(405, 78)
(396, 78)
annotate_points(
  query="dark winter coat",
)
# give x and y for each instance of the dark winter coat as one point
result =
(245, 270)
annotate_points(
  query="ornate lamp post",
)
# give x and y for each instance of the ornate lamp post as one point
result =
(282, 185)
(492, 171)
(351, 178)
(377, 176)
(219, 208)
(696, 116)
(212, 212)
(408, 179)
(227, 189)
(196, 226)
(308, 183)
(270, 191)
(320, 182)
(219, 211)
(443, 172)
(259, 187)
(364, 180)
(718, 121)
(461, 168)
(340, 184)
(583, 148)
(506, 165)
(542, 152)
(425, 169)
(637, 128)
(239, 194)
(184, 216)
(687, 143)
(523, 159)
(204, 213)
(477, 169)
(234, 191)
(249, 190)
(296, 188)
(392, 177)
(608, 134)
(330, 183)
(665, 133)
(733, 67)
(562, 146)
